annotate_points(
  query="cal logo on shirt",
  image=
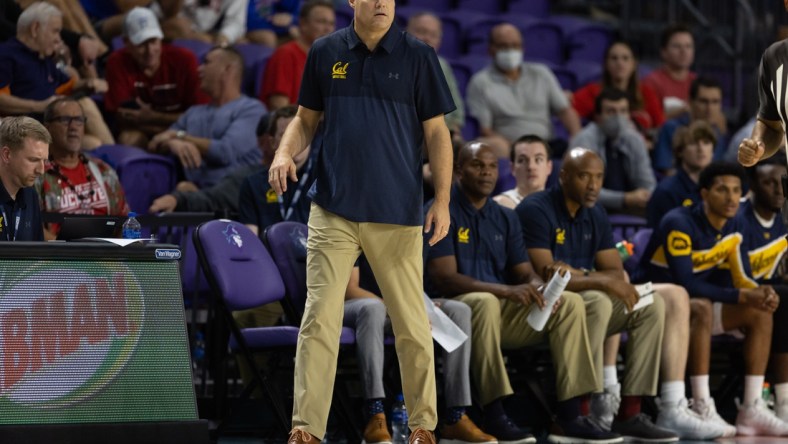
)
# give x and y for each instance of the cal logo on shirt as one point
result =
(560, 236)
(270, 196)
(339, 71)
(679, 244)
(687, 203)
(463, 235)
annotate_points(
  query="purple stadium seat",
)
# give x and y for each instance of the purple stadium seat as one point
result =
(197, 47)
(585, 72)
(492, 7)
(287, 243)
(585, 40)
(639, 241)
(565, 76)
(506, 180)
(344, 15)
(431, 5)
(625, 226)
(144, 176)
(243, 276)
(470, 130)
(255, 58)
(456, 24)
(462, 73)
(536, 8)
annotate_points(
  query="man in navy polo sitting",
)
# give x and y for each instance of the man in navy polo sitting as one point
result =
(563, 227)
(483, 263)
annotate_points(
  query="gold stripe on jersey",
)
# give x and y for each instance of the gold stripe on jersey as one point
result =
(765, 260)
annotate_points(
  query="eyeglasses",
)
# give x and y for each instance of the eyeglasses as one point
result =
(68, 120)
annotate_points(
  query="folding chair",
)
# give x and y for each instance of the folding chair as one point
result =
(242, 276)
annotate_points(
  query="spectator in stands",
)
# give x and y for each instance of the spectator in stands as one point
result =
(532, 166)
(510, 98)
(74, 183)
(705, 104)
(693, 148)
(271, 21)
(620, 71)
(672, 80)
(152, 83)
(483, 263)
(212, 140)
(24, 147)
(700, 248)
(223, 197)
(282, 77)
(629, 178)
(108, 15)
(30, 78)
(220, 22)
(426, 27)
(563, 227)
(365, 312)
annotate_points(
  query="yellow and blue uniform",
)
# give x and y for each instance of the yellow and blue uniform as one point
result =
(688, 251)
(765, 245)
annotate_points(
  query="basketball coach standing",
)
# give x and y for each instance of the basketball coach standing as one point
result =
(382, 95)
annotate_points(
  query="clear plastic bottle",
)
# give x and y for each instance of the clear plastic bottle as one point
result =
(399, 422)
(132, 228)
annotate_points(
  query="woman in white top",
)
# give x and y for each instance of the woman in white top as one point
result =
(531, 166)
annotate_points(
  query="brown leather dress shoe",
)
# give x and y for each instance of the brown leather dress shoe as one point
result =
(298, 436)
(465, 431)
(421, 436)
(376, 431)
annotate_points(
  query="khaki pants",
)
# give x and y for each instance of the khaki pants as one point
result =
(497, 323)
(606, 316)
(395, 254)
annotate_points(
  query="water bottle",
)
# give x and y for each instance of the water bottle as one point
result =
(625, 250)
(766, 394)
(399, 422)
(132, 228)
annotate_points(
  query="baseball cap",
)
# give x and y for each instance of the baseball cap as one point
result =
(140, 25)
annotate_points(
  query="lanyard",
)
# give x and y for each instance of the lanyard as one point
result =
(6, 226)
(286, 214)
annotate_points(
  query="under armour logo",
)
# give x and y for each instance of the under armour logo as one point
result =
(394, 75)
(499, 237)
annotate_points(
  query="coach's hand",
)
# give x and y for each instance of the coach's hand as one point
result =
(750, 152)
(281, 168)
(437, 220)
(624, 291)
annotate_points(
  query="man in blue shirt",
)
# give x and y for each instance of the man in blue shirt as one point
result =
(693, 148)
(382, 96)
(24, 147)
(764, 235)
(700, 248)
(483, 263)
(563, 227)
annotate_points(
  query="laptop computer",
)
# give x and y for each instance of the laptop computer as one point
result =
(79, 227)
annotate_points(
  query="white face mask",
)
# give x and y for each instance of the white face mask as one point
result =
(509, 59)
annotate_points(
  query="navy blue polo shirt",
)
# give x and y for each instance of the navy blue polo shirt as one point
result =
(24, 74)
(486, 242)
(676, 191)
(546, 223)
(374, 104)
(26, 209)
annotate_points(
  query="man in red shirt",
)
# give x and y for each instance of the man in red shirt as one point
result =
(151, 83)
(672, 80)
(282, 76)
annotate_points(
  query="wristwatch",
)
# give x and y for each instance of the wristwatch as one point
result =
(180, 134)
(586, 272)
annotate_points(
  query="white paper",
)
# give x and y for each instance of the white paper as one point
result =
(121, 242)
(646, 292)
(537, 318)
(444, 331)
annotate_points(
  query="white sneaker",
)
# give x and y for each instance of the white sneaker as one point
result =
(604, 407)
(707, 410)
(781, 410)
(757, 419)
(679, 418)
